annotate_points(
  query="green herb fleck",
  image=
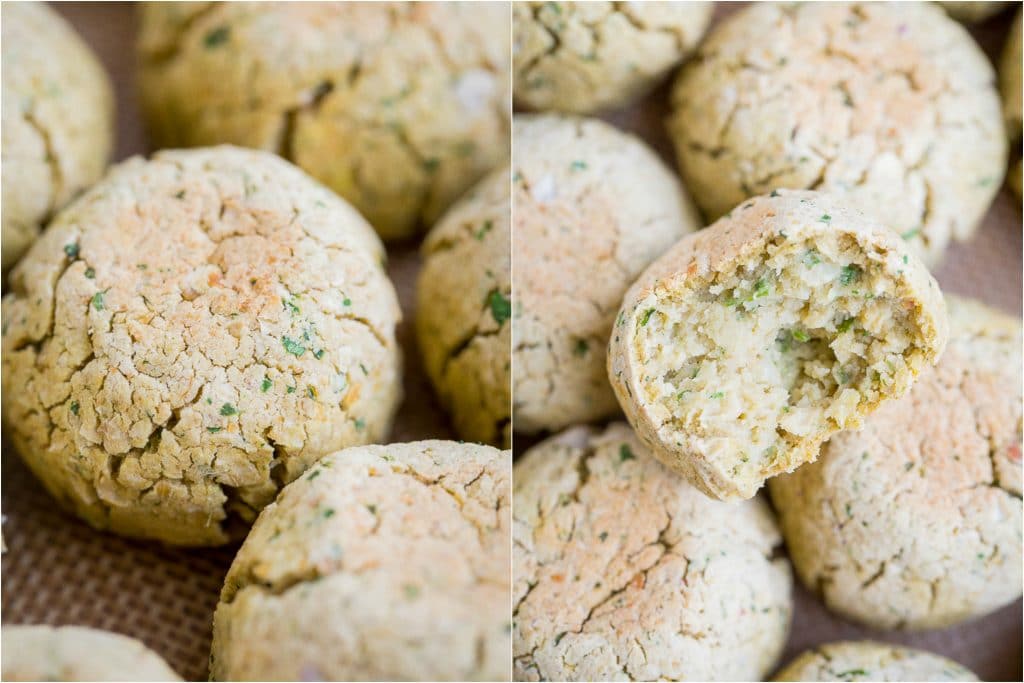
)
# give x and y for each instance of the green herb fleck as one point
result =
(484, 229)
(346, 302)
(760, 289)
(907, 467)
(293, 347)
(328, 513)
(372, 508)
(501, 308)
(775, 193)
(800, 335)
(228, 409)
(578, 165)
(825, 218)
(811, 258)
(313, 475)
(290, 390)
(431, 165)
(849, 274)
(581, 347)
(289, 304)
(909, 234)
(318, 354)
(74, 407)
(360, 424)
(214, 430)
(852, 672)
(626, 453)
(904, 259)
(411, 592)
(646, 317)
(266, 385)
(90, 273)
(311, 391)
(717, 394)
(97, 301)
(845, 325)
(180, 194)
(217, 36)
(71, 250)
(603, 536)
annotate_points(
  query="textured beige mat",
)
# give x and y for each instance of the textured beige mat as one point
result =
(58, 571)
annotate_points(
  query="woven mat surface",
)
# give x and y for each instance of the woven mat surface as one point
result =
(58, 571)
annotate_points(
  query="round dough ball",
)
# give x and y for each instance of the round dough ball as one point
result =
(383, 563)
(190, 335)
(463, 311)
(76, 653)
(585, 56)
(625, 572)
(1010, 84)
(915, 521)
(748, 344)
(397, 107)
(891, 105)
(593, 207)
(973, 12)
(866, 660)
(58, 121)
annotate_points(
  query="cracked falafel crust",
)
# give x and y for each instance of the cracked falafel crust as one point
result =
(593, 206)
(75, 653)
(58, 120)
(397, 107)
(191, 334)
(381, 563)
(890, 105)
(866, 660)
(582, 57)
(915, 520)
(463, 311)
(623, 571)
(744, 347)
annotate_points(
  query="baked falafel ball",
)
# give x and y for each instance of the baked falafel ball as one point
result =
(58, 120)
(582, 57)
(1010, 86)
(892, 106)
(865, 660)
(748, 344)
(397, 107)
(76, 653)
(191, 334)
(463, 311)
(383, 563)
(592, 206)
(623, 571)
(915, 520)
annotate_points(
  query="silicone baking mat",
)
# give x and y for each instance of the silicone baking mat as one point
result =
(58, 571)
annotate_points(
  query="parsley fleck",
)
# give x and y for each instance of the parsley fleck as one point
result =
(71, 250)
(346, 302)
(290, 304)
(909, 234)
(266, 385)
(603, 536)
(581, 347)
(74, 407)
(228, 409)
(845, 325)
(360, 424)
(626, 453)
(293, 347)
(290, 390)
(97, 301)
(318, 354)
(800, 335)
(849, 274)
(328, 513)
(775, 193)
(217, 36)
(180, 194)
(646, 317)
(852, 672)
(578, 165)
(411, 592)
(214, 430)
(90, 273)
(311, 391)
(484, 229)
(760, 289)
(501, 308)
(811, 258)
(717, 394)
(825, 218)
(313, 475)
